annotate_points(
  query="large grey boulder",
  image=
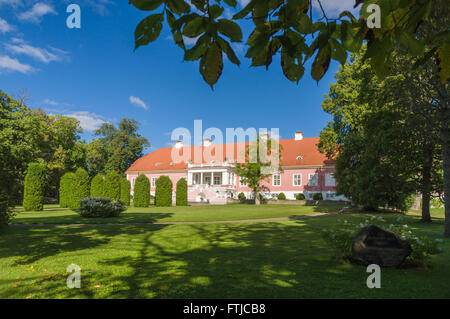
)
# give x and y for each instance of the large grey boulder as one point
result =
(374, 245)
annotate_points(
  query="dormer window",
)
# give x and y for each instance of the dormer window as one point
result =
(157, 164)
(299, 157)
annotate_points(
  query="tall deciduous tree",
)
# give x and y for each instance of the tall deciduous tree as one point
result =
(260, 163)
(116, 148)
(384, 135)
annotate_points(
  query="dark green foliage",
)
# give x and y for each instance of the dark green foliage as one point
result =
(111, 186)
(317, 196)
(33, 198)
(281, 196)
(141, 195)
(92, 207)
(97, 186)
(163, 193)
(6, 213)
(81, 188)
(66, 189)
(300, 196)
(125, 187)
(241, 196)
(181, 194)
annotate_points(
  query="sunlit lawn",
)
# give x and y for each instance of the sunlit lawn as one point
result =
(283, 259)
(54, 215)
(434, 212)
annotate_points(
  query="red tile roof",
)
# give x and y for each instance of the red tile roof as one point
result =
(161, 159)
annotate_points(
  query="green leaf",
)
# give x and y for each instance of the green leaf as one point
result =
(146, 5)
(195, 27)
(211, 65)
(244, 12)
(215, 11)
(178, 6)
(321, 62)
(415, 47)
(198, 50)
(231, 29)
(231, 3)
(148, 30)
(291, 70)
(338, 52)
(304, 24)
(226, 47)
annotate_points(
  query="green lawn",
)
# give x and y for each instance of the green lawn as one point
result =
(283, 259)
(434, 212)
(54, 215)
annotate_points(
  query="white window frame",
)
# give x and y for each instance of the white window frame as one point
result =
(133, 181)
(273, 180)
(153, 182)
(309, 179)
(220, 179)
(326, 179)
(293, 179)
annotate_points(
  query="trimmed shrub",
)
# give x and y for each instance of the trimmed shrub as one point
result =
(281, 196)
(141, 196)
(97, 186)
(241, 196)
(125, 187)
(300, 196)
(111, 185)
(182, 195)
(6, 213)
(33, 197)
(163, 193)
(317, 196)
(92, 207)
(66, 186)
(81, 188)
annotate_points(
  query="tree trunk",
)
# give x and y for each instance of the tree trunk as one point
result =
(445, 133)
(426, 182)
(257, 201)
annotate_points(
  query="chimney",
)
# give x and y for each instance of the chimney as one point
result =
(298, 135)
(207, 142)
(179, 144)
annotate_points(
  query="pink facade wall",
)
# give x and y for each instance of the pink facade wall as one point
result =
(287, 181)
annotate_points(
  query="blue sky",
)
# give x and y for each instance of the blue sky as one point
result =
(93, 74)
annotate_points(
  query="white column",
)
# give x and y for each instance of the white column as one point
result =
(201, 178)
(225, 178)
(212, 178)
(189, 179)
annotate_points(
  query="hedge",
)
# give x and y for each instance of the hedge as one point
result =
(112, 185)
(125, 187)
(163, 193)
(181, 194)
(97, 186)
(317, 196)
(241, 196)
(66, 187)
(281, 196)
(33, 197)
(300, 196)
(141, 194)
(81, 188)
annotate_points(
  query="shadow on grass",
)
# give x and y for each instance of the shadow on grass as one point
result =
(243, 260)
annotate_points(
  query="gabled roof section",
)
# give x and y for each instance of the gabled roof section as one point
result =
(294, 154)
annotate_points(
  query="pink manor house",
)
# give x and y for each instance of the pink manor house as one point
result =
(305, 170)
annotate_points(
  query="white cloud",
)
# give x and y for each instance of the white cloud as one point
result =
(55, 103)
(243, 3)
(10, 64)
(5, 26)
(35, 14)
(190, 41)
(138, 102)
(333, 7)
(40, 54)
(88, 121)
(13, 3)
